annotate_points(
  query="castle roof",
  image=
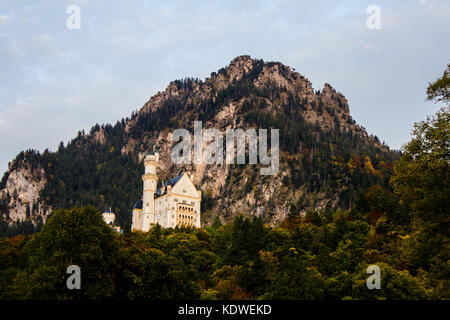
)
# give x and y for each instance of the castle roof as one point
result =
(170, 182)
(138, 204)
(108, 210)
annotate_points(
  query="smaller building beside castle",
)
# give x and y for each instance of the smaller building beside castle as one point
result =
(109, 217)
(175, 203)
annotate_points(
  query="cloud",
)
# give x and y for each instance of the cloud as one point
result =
(369, 46)
(4, 20)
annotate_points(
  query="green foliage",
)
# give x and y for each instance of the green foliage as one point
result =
(70, 237)
(440, 89)
(25, 227)
(395, 285)
(422, 180)
(242, 260)
(93, 173)
(217, 223)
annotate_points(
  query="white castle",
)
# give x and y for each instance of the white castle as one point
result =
(175, 203)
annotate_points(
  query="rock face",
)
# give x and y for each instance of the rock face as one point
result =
(21, 192)
(321, 146)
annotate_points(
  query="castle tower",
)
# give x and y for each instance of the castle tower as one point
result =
(109, 217)
(150, 179)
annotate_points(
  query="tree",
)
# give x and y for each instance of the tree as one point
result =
(296, 278)
(394, 285)
(247, 239)
(440, 89)
(217, 223)
(78, 236)
(422, 176)
(422, 179)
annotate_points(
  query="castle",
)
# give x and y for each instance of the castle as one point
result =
(175, 203)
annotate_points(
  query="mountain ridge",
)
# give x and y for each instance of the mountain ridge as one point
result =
(317, 135)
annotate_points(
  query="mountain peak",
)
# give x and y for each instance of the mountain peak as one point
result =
(318, 138)
(238, 67)
(242, 58)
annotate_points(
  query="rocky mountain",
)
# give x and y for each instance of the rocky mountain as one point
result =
(326, 159)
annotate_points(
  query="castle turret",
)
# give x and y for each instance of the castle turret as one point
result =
(150, 179)
(109, 217)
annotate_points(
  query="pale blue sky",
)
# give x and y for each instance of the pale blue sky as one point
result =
(55, 82)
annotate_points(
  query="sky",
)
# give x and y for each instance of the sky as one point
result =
(56, 81)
